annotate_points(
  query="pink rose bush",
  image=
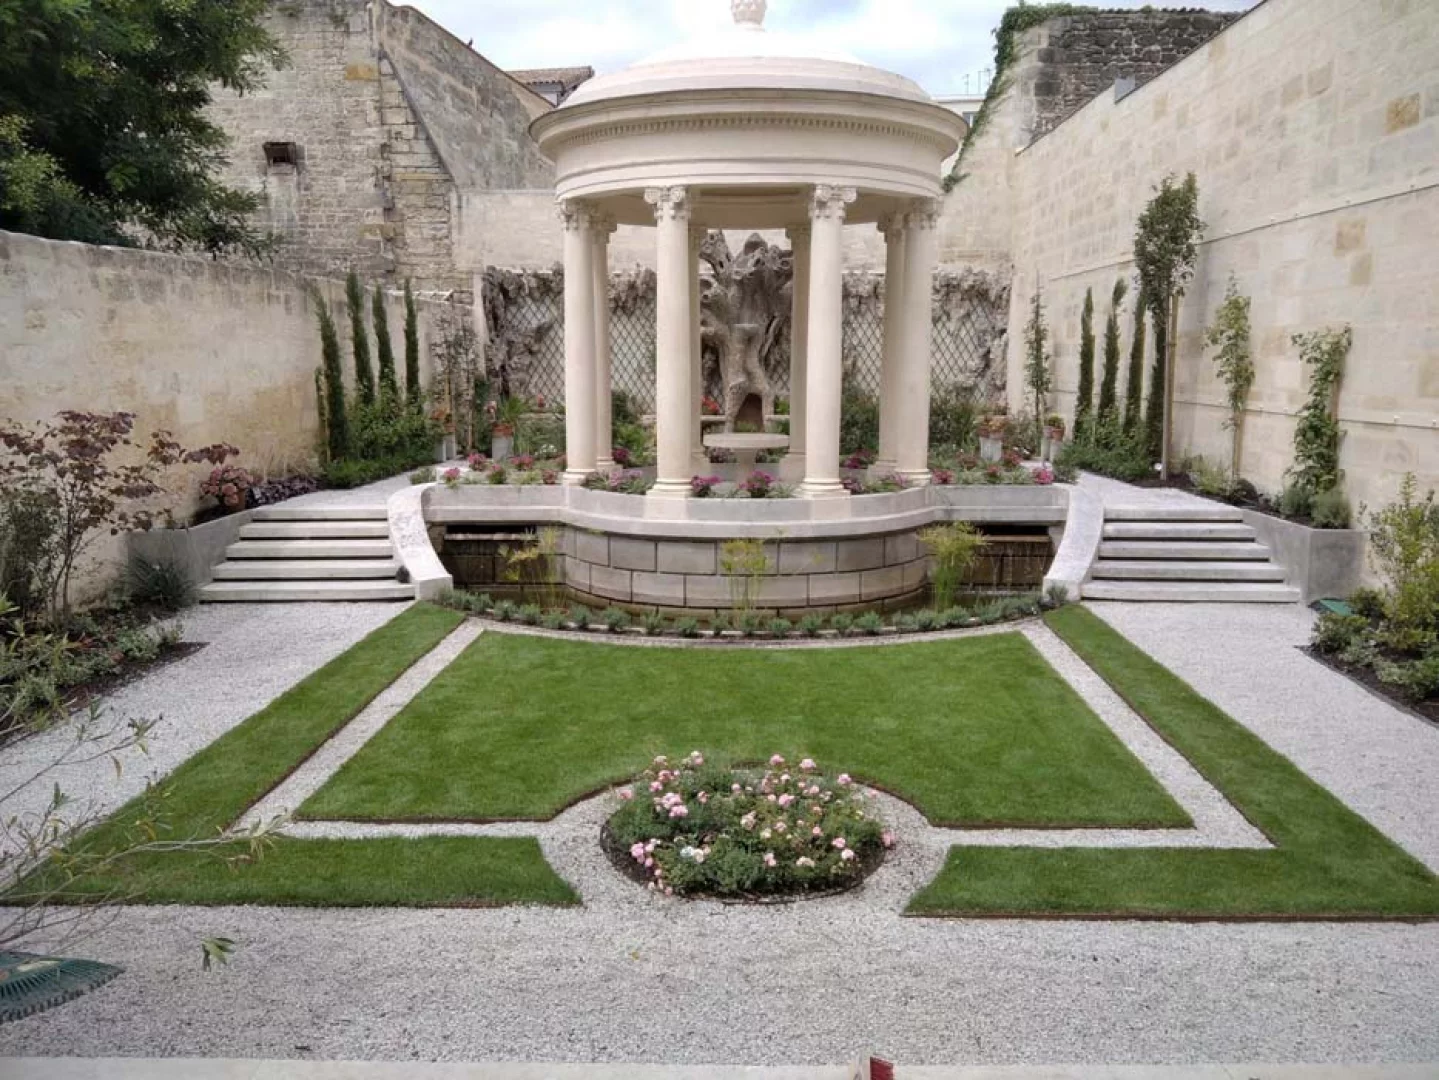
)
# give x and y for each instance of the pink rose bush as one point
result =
(693, 827)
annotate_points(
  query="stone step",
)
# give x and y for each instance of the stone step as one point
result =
(315, 530)
(1179, 549)
(310, 549)
(1197, 512)
(259, 592)
(1176, 530)
(1175, 570)
(307, 570)
(1191, 592)
(320, 513)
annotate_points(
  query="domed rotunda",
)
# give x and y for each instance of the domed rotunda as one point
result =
(749, 129)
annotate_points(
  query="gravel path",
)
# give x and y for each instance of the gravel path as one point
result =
(253, 653)
(630, 977)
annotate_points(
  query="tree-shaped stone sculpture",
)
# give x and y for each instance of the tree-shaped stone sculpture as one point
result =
(745, 315)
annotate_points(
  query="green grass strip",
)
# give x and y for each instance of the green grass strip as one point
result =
(213, 789)
(974, 731)
(1329, 863)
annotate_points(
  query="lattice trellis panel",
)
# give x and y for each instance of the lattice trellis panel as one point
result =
(966, 331)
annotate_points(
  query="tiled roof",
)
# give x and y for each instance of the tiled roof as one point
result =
(566, 76)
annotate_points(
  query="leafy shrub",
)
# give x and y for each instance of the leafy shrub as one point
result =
(1317, 436)
(842, 623)
(228, 485)
(1112, 453)
(1330, 510)
(780, 628)
(870, 623)
(693, 829)
(381, 430)
(620, 482)
(907, 623)
(553, 620)
(505, 610)
(350, 473)
(722, 621)
(1404, 545)
(952, 618)
(811, 625)
(1333, 633)
(1417, 680)
(687, 628)
(529, 615)
(427, 475)
(925, 620)
(1057, 595)
(654, 623)
(953, 416)
(859, 419)
(581, 616)
(1296, 502)
(1368, 603)
(1210, 479)
(747, 623)
(616, 620)
(164, 584)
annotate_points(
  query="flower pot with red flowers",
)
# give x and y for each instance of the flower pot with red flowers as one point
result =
(1053, 437)
(991, 436)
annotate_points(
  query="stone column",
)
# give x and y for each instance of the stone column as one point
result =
(895, 314)
(799, 241)
(921, 251)
(825, 352)
(579, 341)
(673, 337)
(603, 228)
(697, 380)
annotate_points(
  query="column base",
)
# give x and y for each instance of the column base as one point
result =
(917, 477)
(791, 468)
(822, 489)
(670, 489)
(575, 477)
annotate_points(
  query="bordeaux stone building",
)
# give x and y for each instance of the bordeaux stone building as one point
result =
(363, 146)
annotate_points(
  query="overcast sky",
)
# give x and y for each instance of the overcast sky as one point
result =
(935, 42)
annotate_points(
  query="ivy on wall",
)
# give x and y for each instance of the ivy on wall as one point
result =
(1012, 26)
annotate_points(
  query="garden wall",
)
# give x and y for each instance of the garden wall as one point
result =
(1313, 128)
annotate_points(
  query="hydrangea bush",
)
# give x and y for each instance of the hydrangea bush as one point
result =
(692, 828)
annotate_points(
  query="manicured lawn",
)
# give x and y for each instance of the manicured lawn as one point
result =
(214, 789)
(1329, 862)
(973, 732)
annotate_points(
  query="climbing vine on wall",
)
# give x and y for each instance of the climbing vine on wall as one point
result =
(1235, 364)
(1317, 438)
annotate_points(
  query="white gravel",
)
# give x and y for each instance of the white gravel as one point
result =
(253, 653)
(629, 977)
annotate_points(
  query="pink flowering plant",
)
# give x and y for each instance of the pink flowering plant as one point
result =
(694, 828)
(230, 485)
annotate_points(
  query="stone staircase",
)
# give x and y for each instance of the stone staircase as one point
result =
(1197, 554)
(301, 553)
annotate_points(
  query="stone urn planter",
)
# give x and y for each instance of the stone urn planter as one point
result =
(502, 443)
(1053, 438)
(991, 439)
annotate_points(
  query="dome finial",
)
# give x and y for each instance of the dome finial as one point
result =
(749, 14)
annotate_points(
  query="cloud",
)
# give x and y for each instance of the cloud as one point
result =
(935, 42)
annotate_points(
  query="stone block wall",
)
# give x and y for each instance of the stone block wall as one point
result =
(1313, 129)
(800, 577)
(392, 117)
(212, 351)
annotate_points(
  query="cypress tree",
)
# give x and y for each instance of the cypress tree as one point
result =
(1084, 406)
(1109, 385)
(359, 339)
(337, 421)
(1134, 387)
(389, 384)
(412, 348)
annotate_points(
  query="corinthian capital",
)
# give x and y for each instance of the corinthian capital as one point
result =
(670, 203)
(924, 214)
(574, 215)
(829, 202)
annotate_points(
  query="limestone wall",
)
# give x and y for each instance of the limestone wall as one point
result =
(391, 117)
(1313, 128)
(213, 351)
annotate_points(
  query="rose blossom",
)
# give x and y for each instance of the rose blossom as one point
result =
(769, 859)
(839, 842)
(847, 854)
(887, 839)
(637, 851)
(816, 831)
(627, 794)
(680, 810)
(843, 779)
(807, 765)
(804, 861)
(785, 800)
(776, 761)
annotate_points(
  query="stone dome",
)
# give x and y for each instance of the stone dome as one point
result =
(746, 56)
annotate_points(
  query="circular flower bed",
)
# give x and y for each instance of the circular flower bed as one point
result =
(699, 830)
